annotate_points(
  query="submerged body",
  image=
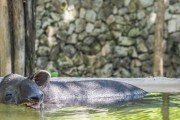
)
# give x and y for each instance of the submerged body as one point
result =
(90, 92)
(37, 89)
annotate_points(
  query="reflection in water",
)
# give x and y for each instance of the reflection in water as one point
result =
(11, 112)
(165, 106)
(152, 107)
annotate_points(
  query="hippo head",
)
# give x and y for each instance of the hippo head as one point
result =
(16, 89)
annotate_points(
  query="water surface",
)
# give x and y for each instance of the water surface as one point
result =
(152, 107)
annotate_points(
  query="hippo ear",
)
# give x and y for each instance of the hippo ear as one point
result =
(41, 77)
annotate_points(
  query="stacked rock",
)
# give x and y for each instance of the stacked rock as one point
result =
(105, 38)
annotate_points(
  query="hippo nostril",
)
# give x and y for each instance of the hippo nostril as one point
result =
(36, 97)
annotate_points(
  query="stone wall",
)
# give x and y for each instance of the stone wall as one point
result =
(103, 38)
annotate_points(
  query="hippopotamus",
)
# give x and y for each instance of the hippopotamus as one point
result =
(39, 89)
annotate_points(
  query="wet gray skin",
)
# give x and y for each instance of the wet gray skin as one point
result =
(16, 89)
(37, 89)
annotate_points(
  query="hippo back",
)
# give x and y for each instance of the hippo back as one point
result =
(91, 92)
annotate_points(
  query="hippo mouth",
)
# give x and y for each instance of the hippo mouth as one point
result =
(35, 105)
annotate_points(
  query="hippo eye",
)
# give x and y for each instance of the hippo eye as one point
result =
(8, 96)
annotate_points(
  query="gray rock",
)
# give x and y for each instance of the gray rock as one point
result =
(64, 62)
(175, 9)
(143, 27)
(96, 48)
(85, 49)
(103, 28)
(86, 4)
(80, 25)
(175, 60)
(82, 36)
(106, 70)
(147, 66)
(71, 29)
(150, 42)
(38, 24)
(98, 24)
(132, 7)
(74, 2)
(141, 14)
(123, 11)
(107, 49)
(89, 40)
(136, 63)
(126, 2)
(125, 62)
(62, 25)
(125, 72)
(169, 71)
(91, 60)
(174, 36)
(82, 13)
(95, 32)
(42, 62)
(134, 32)
(115, 10)
(54, 52)
(101, 15)
(144, 57)
(116, 34)
(173, 1)
(151, 19)
(141, 47)
(133, 17)
(178, 72)
(39, 9)
(69, 50)
(46, 23)
(133, 53)
(120, 20)
(89, 27)
(135, 72)
(146, 3)
(110, 19)
(62, 35)
(125, 41)
(117, 74)
(117, 27)
(52, 41)
(99, 61)
(78, 59)
(43, 50)
(167, 15)
(90, 16)
(121, 51)
(118, 3)
(97, 3)
(72, 39)
(172, 26)
(55, 16)
(51, 31)
(43, 40)
(39, 33)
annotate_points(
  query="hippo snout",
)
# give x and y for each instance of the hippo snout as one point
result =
(30, 92)
(36, 97)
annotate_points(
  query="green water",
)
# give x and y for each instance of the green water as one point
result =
(152, 107)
